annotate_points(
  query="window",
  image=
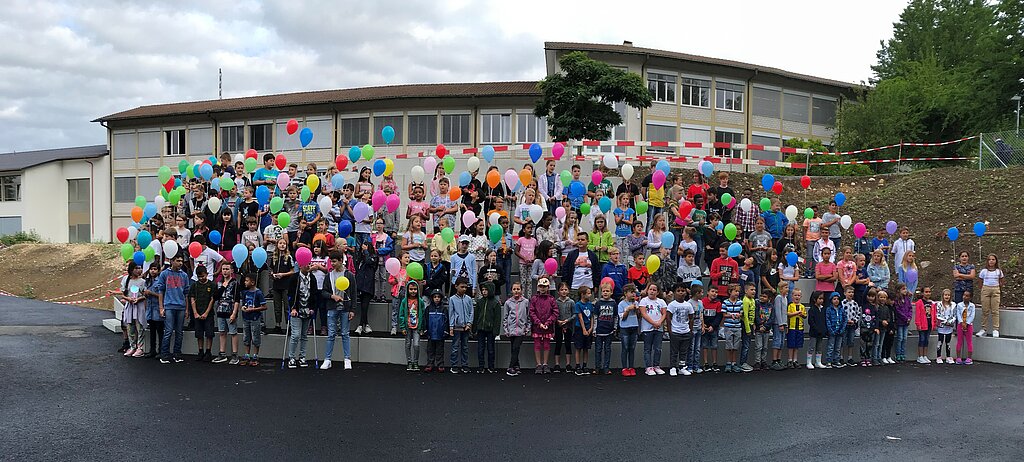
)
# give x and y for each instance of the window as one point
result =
(200, 141)
(661, 133)
(794, 108)
(149, 186)
(728, 137)
(125, 145)
(10, 188)
(261, 137)
(175, 143)
(422, 129)
(767, 102)
(531, 129)
(78, 211)
(496, 128)
(766, 141)
(382, 121)
(729, 96)
(662, 87)
(323, 134)
(232, 139)
(695, 92)
(455, 129)
(824, 111)
(124, 189)
(355, 132)
(697, 135)
(151, 144)
(10, 225)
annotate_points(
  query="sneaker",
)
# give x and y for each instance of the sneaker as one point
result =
(921, 360)
(124, 347)
(547, 369)
(178, 360)
(579, 371)
(510, 372)
(650, 371)
(454, 370)
(325, 365)
(254, 361)
(129, 352)
(291, 363)
(234, 361)
(673, 372)
(851, 362)
(995, 333)
(981, 333)
(200, 357)
(303, 362)
(625, 372)
(959, 361)
(699, 370)
(776, 365)
(839, 365)
(968, 361)
(165, 361)
(428, 369)
(716, 368)
(685, 372)
(138, 353)
(746, 367)
(557, 369)
(221, 358)
(367, 330)
(658, 370)
(440, 369)
(348, 364)
(949, 360)
(359, 330)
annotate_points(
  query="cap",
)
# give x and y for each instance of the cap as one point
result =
(436, 292)
(543, 282)
(464, 238)
(696, 282)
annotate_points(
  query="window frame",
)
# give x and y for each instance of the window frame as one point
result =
(725, 97)
(268, 137)
(687, 86)
(225, 138)
(723, 152)
(130, 199)
(815, 107)
(13, 181)
(447, 134)
(539, 125)
(672, 129)
(362, 138)
(414, 130)
(807, 111)
(175, 139)
(754, 108)
(504, 128)
(661, 92)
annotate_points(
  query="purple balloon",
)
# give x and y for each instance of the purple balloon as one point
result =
(890, 227)
(361, 211)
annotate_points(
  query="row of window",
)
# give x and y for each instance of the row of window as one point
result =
(669, 133)
(10, 188)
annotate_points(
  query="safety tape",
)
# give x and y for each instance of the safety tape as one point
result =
(79, 302)
(893, 161)
(89, 289)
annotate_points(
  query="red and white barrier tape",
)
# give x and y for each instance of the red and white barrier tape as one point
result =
(54, 299)
(893, 161)
(79, 302)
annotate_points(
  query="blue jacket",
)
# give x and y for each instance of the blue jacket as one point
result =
(173, 285)
(618, 275)
(460, 311)
(775, 223)
(835, 319)
(458, 262)
(435, 322)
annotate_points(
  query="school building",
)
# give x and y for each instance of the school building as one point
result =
(695, 99)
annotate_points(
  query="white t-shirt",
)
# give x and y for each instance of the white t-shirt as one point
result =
(990, 278)
(901, 247)
(680, 312)
(653, 308)
(208, 258)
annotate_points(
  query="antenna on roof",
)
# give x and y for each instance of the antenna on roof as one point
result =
(220, 83)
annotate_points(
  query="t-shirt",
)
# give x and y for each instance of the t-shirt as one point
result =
(834, 231)
(264, 174)
(418, 208)
(812, 229)
(653, 309)
(604, 185)
(606, 310)
(445, 202)
(876, 243)
(681, 313)
(631, 320)
(309, 210)
(963, 284)
(586, 309)
(990, 278)
(417, 254)
(207, 258)
(251, 298)
(824, 268)
(527, 246)
(582, 276)
(412, 315)
(711, 310)
(732, 307)
(760, 239)
(795, 322)
(688, 273)
(623, 229)
(655, 196)
(202, 293)
(847, 271)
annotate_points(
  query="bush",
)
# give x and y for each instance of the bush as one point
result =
(19, 238)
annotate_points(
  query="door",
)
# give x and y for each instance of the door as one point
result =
(79, 211)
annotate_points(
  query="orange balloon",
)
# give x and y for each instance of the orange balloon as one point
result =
(525, 177)
(493, 178)
(455, 193)
(137, 214)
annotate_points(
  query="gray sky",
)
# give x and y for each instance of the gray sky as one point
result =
(65, 63)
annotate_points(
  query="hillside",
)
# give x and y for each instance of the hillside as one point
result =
(46, 271)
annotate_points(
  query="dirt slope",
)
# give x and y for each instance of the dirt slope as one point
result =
(45, 271)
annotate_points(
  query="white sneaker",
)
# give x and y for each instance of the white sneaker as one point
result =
(359, 330)
(891, 361)
(684, 371)
(348, 364)
(981, 333)
(394, 331)
(367, 330)
(926, 360)
(673, 372)
(921, 360)
(950, 361)
(325, 365)
(657, 370)
(650, 371)
(995, 334)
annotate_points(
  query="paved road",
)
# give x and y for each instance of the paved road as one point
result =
(67, 395)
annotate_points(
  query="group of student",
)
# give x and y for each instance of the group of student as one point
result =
(697, 296)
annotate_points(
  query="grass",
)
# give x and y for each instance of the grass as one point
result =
(20, 237)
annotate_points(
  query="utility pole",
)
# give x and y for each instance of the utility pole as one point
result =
(1017, 99)
(220, 83)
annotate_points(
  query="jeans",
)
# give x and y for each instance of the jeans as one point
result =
(396, 304)
(506, 267)
(677, 233)
(174, 324)
(699, 255)
(628, 337)
(280, 297)
(516, 344)
(744, 347)
(460, 349)
(337, 324)
(834, 351)
(901, 341)
(809, 259)
(761, 342)
(412, 346)
(435, 353)
(876, 351)
(652, 212)
(603, 355)
(693, 356)
(485, 341)
(297, 336)
(252, 331)
(679, 346)
(156, 334)
(652, 348)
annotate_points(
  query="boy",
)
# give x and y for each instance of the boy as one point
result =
(171, 286)
(628, 326)
(830, 221)
(780, 322)
(504, 250)
(749, 309)
(303, 310)
(667, 274)
(463, 264)
(606, 309)
(615, 271)
(486, 326)
(724, 271)
(339, 312)
(251, 235)
(652, 318)
(712, 317)
(563, 328)
(796, 314)
(637, 273)
(764, 320)
(680, 330)
(248, 208)
(693, 356)
(201, 294)
(252, 304)
(902, 245)
(812, 232)
(732, 327)
(409, 315)
(853, 315)
(583, 327)
(688, 270)
(881, 241)
(759, 242)
(435, 327)
(868, 324)
(226, 312)
(747, 273)
(460, 320)
(774, 220)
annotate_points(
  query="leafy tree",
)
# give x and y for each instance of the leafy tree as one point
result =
(578, 101)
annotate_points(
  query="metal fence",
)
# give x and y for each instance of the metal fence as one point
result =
(1001, 149)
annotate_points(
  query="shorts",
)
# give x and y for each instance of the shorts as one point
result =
(732, 337)
(579, 341)
(778, 340)
(795, 339)
(850, 336)
(223, 325)
(922, 337)
(709, 340)
(204, 327)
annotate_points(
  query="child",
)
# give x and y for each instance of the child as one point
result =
(907, 272)
(816, 330)
(712, 317)
(903, 311)
(693, 356)
(854, 312)
(732, 327)
(460, 321)
(543, 317)
(887, 326)
(615, 271)
(414, 240)
(638, 242)
(796, 313)
(227, 313)
(171, 286)
(383, 246)
(515, 324)
(926, 320)
(868, 327)
(435, 327)
(747, 274)
(812, 232)
(153, 317)
(398, 281)
(439, 244)
(628, 326)
(201, 294)
(132, 291)
(303, 309)
(251, 234)
(880, 242)
(409, 314)
(846, 270)
(606, 312)
(680, 330)
(417, 207)
(463, 264)
(724, 271)
(964, 328)
(652, 316)
(486, 325)
(526, 247)
(491, 271)
(991, 283)
(504, 250)
(624, 217)
(252, 304)
(764, 320)
(780, 323)
(339, 312)
(667, 274)
(945, 315)
(835, 323)
(537, 269)
(282, 269)
(582, 329)
(963, 276)
(688, 270)
(825, 272)
(638, 274)
(902, 245)
(564, 328)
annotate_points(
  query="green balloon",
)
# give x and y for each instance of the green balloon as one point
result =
(182, 166)
(766, 204)
(250, 165)
(585, 209)
(368, 152)
(149, 252)
(226, 183)
(414, 271)
(641, 207)
(276, 204)
(304, 193)
(127, 250)
(808, 213)
(283, 219)
(726, 199)
(729, 231)
(449, 165)
(190, 173)
(164, 194)
(163, 174)
(494, 234)
(140, 201)
(566, 178)
(448, 235)
(181, 190)
(174, 197)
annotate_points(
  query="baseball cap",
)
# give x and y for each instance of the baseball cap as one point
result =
(464, 238)
(543, 282)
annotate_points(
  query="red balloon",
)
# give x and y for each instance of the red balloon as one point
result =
(685, 207)
(292, 126)
(169, 185)
(251, 153)
(194, 249)
(441, 151)
(122, 235)
(281, 162)
(341, 162)
(777, 187)
(805, 182)
(207, 162)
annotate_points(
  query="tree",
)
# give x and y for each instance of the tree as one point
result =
(578, 101)
(815, 145)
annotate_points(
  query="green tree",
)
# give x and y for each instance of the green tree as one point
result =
(578, 101)
(815, 145)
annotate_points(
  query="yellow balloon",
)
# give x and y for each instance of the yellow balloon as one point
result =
(653, 263)
(389, 167)
(341, 283)
(313, 181)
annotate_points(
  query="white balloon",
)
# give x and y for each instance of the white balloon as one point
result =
(492, 219)
(325, 204)
(213, 204)
(845, 221)
(170, 248)
(473, 164)
(132, 232)
(627, 171)
(745, 204)
(791, 212)
(239, 158)
(160, 202)
(610, 161)
(536, 213)
(156, 246)
(417, 174)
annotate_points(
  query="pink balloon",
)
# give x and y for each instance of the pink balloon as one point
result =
(393, 266)
(551, 265)
(511, 178)
(860, 230)
(377, 200)
(560, 213)
(557, 150)
(596, 177)
(303, 256)
(392, 203)
(608, 280)
(282, 180)
(658, 179)
(468, 218)
(429, 165)
(732, 203)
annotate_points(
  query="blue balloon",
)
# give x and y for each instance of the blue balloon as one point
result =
(139, 257)
(344, 228)
(792, 258)
(840, 198)
(735, 249)
(707, 168)
(388, 134)
(952, 233)
(306, 136)
(605, 204)
(337, 181)
(719, 226)
(149, 211)
(979, 229)
(354, 153)
(464, 179)
(535, 152)
(663, 166)
(262, 195)
(379, 166)
(259, 257)
(489, 153)
(144, 239)
(214, 237)
(767, 181)
(206, 171)
(177, 182)
(667, 240)
(239, 253)
(576, 189)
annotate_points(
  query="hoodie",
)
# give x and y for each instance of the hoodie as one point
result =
(835, 316)
(435, 321)
(903, 311)
(410, 315)
(543, 310)
(883, 312)
(565, 307)
(460, 311)
(515, 317)
(924, 315)
(617, 273)
(173, 285)
(816, 327)
(436, 276)
(487, 313)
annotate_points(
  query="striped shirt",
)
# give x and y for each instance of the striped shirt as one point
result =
(732, 307)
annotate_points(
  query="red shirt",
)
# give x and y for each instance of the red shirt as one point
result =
(724, 271)
(698, 188)
(638, 275)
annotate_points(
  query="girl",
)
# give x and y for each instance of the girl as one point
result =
(366, 282)
(964, 328)
(945, 315)
(658, 229)
(878, 270)
(478, 244)
(436, 273)
(788, 238)
(414, 240)
(548, 229)
(522, 212)
(624, 219)
(382, 246)
(364, 186)
(388, 184)
(789, 275)
(153, 317)
(991, 281)
(906, 271)
(228, 235)
(902, 311)
(184, 234)
(927, 320)
(435, 183)
(601, 240)
(963, 276)
(490, 194)
(320, 265)
(816, 330)
(515, 324)
(282, 268)
(887, 325)
(525, 248)
(825, 272)
(637, 243)
(133, 294)
(537, 269)
(491, 271)
(567, 241)
(846, 270)
(770, 270)
(688, 242)
(438, 243)
(398, 282)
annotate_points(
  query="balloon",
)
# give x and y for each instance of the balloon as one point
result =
(361, 211)
(732, 204)
(392, 265)
(122, 234)
(472, 164)
(727, 198)
(140, 201)
(259, 257)
(159, 202)
(979, 229)
(368, 152)
(557, 150)
(576, 189)
(173, 197)
(306, 136)
(840, 199)
(182, 166)
(735, 249)
(126, 251)
(667, 240)
(464, 179)
(525, 176)
(262, 194)
(745, 204)
(685, 207)
(344, 228)
(139, 257)
(560, 213)
(729, 231)
(791, 212)
(417, 174)
(808, 213)
(378, 199)
(387, 134)
(535, 152)
(449, 165)
(378, 167)
(719, 226)
(911, 276)
(341, 283)
(239, 253)
(845, 221)
(792, 258)
(658, 179)
(303, 256)
(415, 271)
(860, 230)
(304, 193)
(341, 162)
(192, 172)
(488, 153)
(393, 201)
(596, 177)
(607, 281)
(280, 161)
(767, 181)
(250, 165)
(226, 183)
(585, 209)
(389, 167)
(805, 182)
(441, 151)
(354, 153)
(206, 171)
(653, 263)
(468, 218)
(163, 174)
(276, 204)
(325, 204)
(566, 178)
(777, 187)
(215, 237)
(627, 171)
(338, 181)
(137, 214)
(170, 248)
(144, 239)
(663, 166)
(283, 219)
(536, 213)
(605, 204)
(641, 206)
(511, 178)
(493, 178)
(291, 126)
(765, 204)
(952, 233)
(194, 249)
(282, 180)
(707, 168)
(890, 227)
(448, 235)
(495, 233)
(610, 161)
(550, 266)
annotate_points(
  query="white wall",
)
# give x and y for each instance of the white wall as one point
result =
(44, 198)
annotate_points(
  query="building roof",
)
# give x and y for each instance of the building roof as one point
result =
(12, 161)
(390, 92)
(630, 49)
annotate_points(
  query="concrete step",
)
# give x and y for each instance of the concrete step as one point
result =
(1011, 322)
(1002, 350)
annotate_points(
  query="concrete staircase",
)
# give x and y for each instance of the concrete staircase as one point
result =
(1009, 347)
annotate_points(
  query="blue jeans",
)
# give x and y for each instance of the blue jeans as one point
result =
(876, 350)
(484, 341)
(693, 356)
(652, 348)
(174, 324)
(460, 349)
(744, 347)
(699, 255)
(678, 234)
(651, 213)
(297, 336)
(628, 337)
(603, 355)
(901, 340)
(834, 351)
(506, 267)
(337, 324)
(396, 305)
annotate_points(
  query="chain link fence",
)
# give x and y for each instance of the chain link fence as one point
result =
(1001, 149)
